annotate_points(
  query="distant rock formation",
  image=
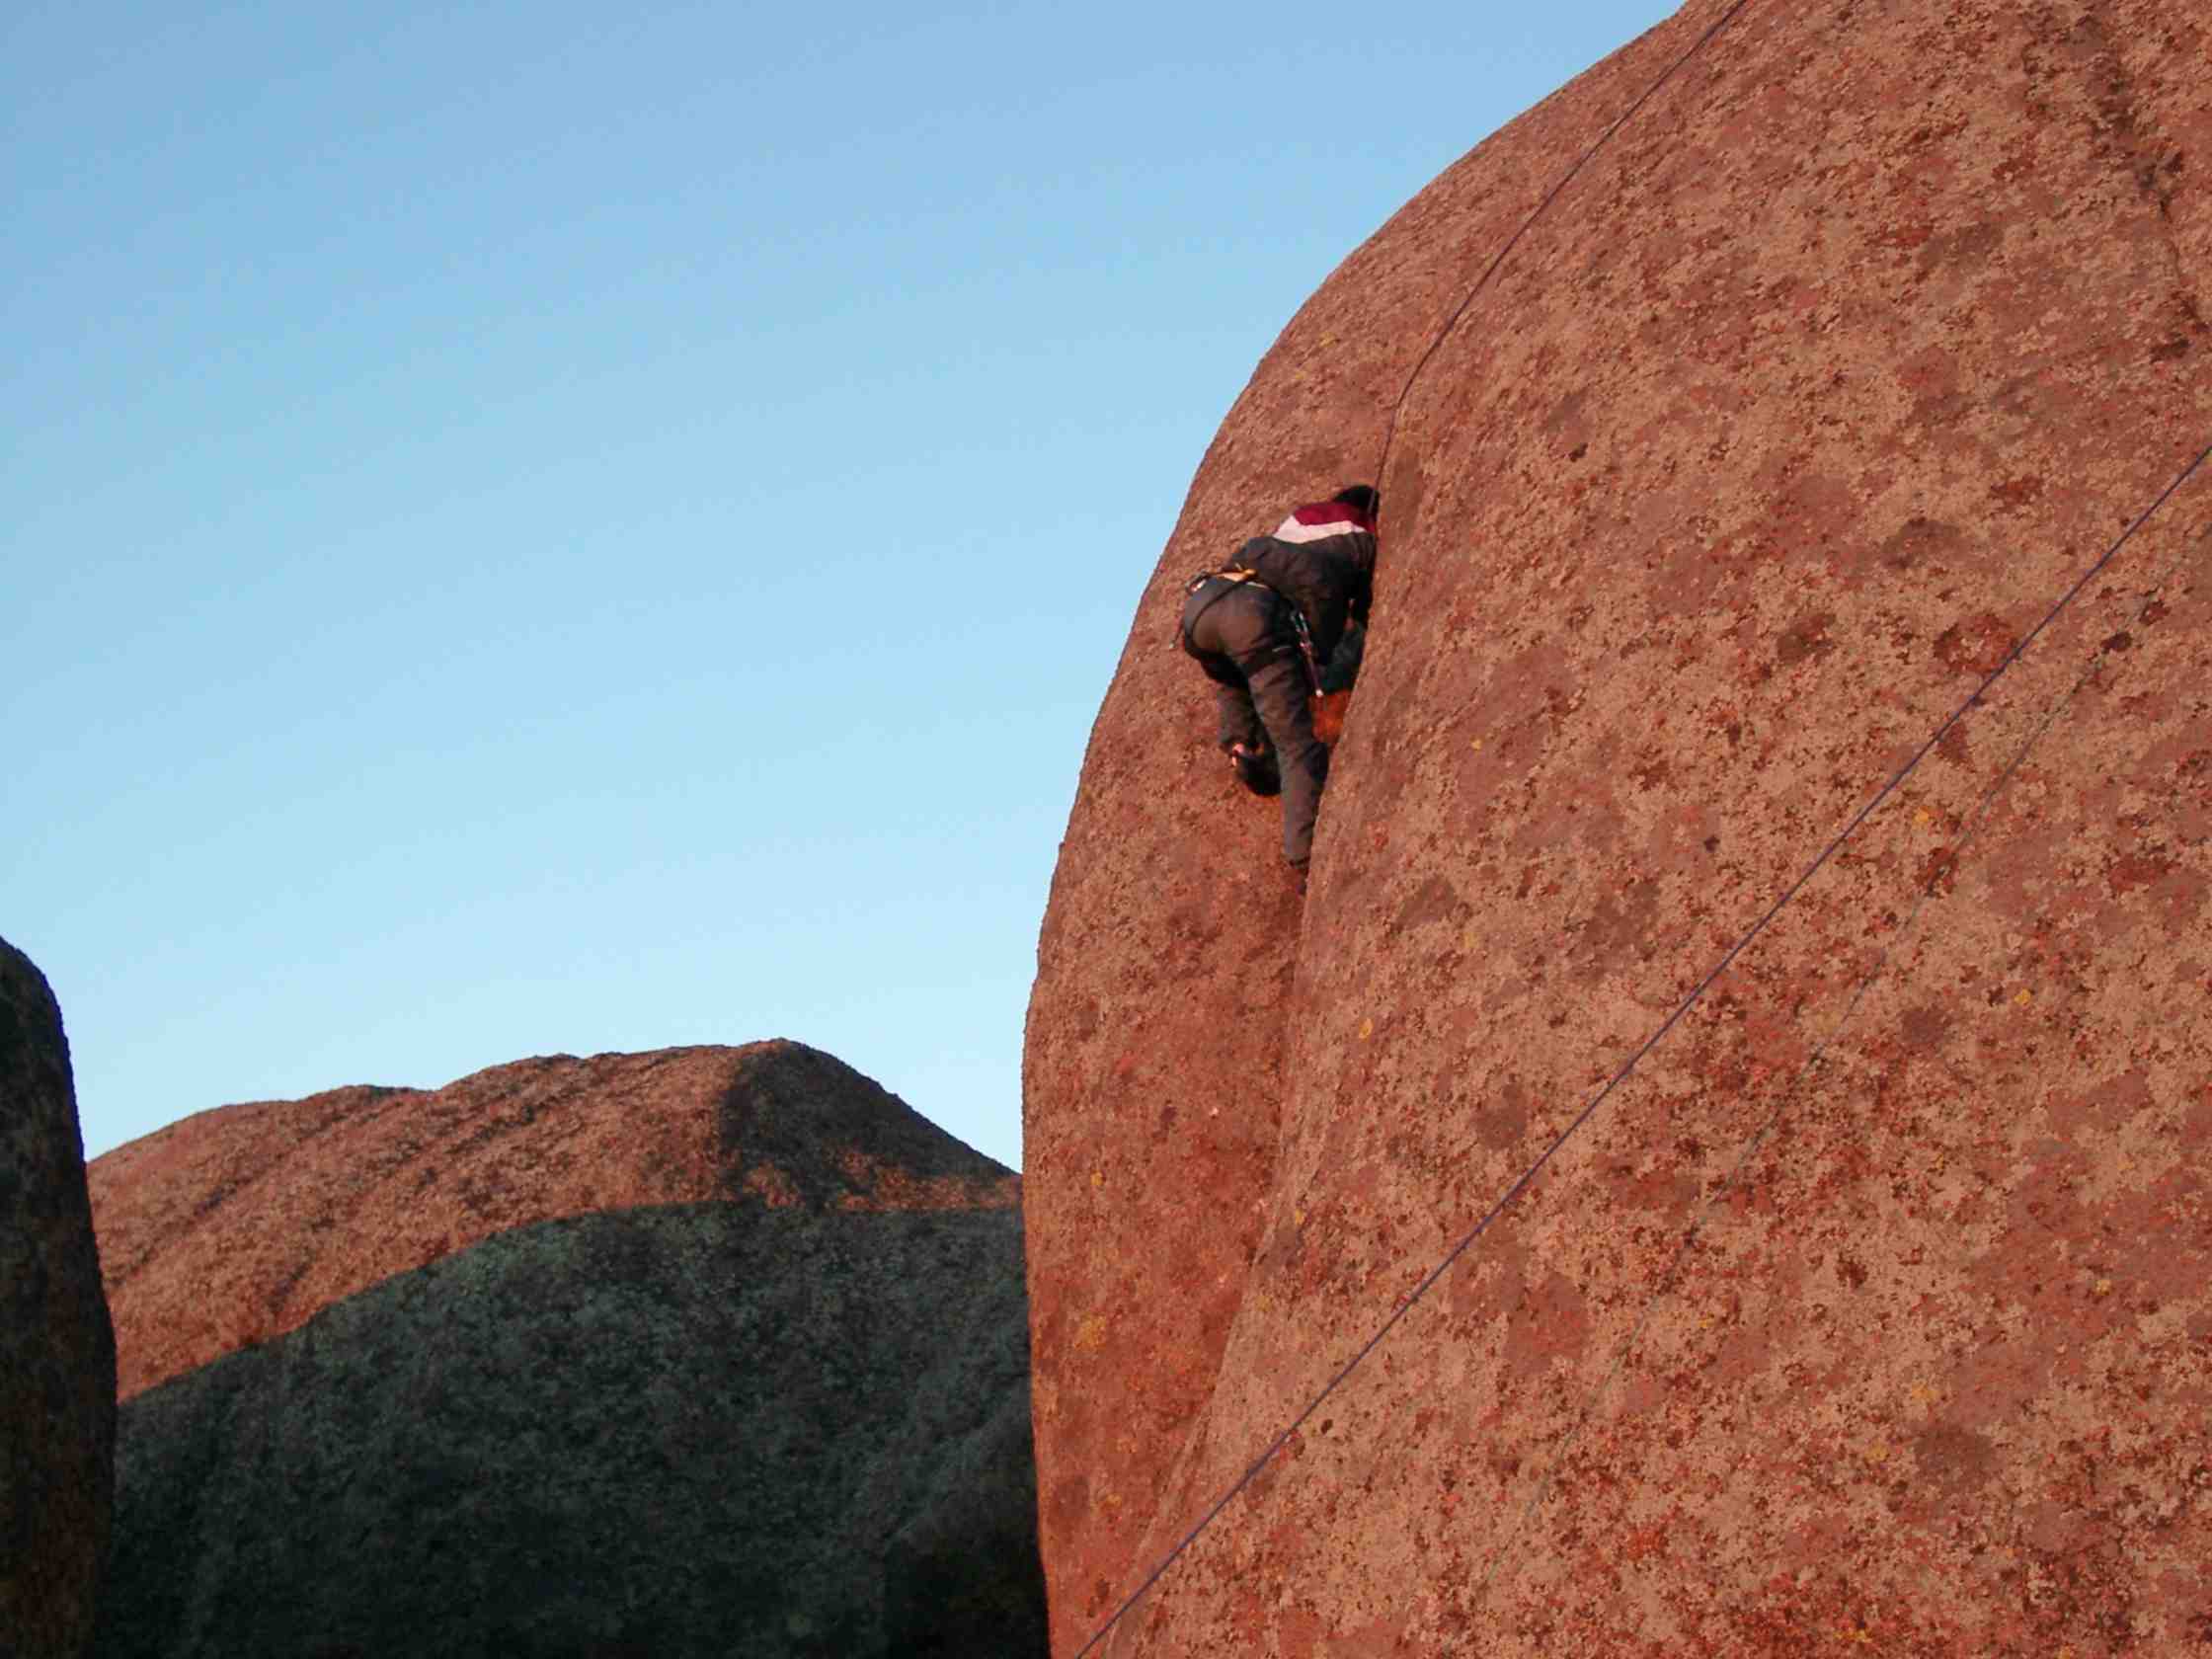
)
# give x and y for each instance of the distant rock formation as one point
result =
(57, 1350)
(789, 1422)
(238, 1224)
(1810, 394)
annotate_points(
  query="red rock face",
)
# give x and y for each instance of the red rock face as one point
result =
(238, 1224)
(1815, 390)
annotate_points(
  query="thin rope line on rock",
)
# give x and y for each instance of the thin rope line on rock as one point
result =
(1728, 1183)
(1420, 1291)
(1389, 430)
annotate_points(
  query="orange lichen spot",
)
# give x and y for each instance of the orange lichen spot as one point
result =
(773, 1186)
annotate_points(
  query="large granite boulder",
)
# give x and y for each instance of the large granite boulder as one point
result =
(57, 1349)
(1828, 373)
(791, 1420)
(237, 1224)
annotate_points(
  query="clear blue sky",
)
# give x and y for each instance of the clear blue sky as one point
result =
(557, 527)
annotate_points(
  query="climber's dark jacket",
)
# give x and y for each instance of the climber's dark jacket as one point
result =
(1321, 557)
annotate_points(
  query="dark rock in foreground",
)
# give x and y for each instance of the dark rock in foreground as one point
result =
(57, 1348)
(722, 1428)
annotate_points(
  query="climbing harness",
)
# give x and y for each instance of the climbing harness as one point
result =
(1238, 575)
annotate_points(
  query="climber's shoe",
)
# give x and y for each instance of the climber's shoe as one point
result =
(1255, 769)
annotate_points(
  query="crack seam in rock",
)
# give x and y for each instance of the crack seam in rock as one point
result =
(1390, 432)
(2140, 150)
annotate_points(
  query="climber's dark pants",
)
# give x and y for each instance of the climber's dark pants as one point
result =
(1243, 637)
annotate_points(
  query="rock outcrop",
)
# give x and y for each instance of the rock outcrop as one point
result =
(1809, 395)
(235, 1225)
(696, 1430)
(57, 1349)
(792, 1420)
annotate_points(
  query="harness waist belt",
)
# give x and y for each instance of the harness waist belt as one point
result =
(1249, 579)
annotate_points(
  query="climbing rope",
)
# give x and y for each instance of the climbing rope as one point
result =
(1971, 828)
(1390, 430)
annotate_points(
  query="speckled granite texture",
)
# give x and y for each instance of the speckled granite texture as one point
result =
(57, 1349)
(238, 1224)
(726, 1431)
(1812, 393)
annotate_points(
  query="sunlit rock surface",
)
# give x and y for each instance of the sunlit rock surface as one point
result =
(1823, 380)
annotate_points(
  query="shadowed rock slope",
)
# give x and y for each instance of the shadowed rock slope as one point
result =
(791, 1421)
(1822, 381)
(702, 1429)
(57, 1350)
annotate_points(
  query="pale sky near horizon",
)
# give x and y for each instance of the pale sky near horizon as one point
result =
(553, 530)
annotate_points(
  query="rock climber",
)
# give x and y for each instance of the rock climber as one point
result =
(1283, 620)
